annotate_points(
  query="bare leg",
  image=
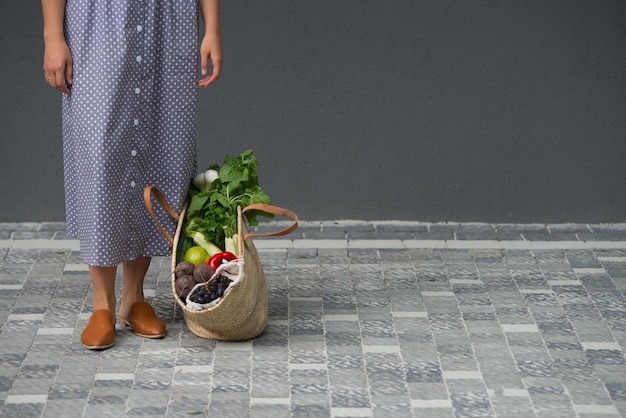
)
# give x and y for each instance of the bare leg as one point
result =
(140, 316)
(134, 274)
(103, 280)
(100, 331)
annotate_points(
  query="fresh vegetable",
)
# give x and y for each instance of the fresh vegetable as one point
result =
(184, 243)
(185, 268)
(196, 255)
(231, 244)
(213, 212)
(203, 273)
(184, 285)
(203, 180)
(217, 260)
(201, 241)
(187, 275)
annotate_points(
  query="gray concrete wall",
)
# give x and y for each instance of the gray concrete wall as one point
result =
(493, 111)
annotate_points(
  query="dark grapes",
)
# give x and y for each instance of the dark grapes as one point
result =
(213, 290)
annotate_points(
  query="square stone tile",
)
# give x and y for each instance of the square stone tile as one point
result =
(380, 330)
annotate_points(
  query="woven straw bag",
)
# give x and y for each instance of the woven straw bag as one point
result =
(242, 313)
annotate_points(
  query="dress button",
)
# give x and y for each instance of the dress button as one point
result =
(133, 153)
(137, 90)
(136, 122)
(133, 184)
(139, 28)
(138, 58)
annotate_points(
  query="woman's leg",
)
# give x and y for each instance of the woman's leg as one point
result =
(103, 281)
(100, 331)
(133, 310)
(134, 274)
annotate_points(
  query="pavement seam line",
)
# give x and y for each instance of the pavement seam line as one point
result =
(44, 244)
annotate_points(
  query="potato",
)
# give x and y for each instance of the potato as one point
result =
(202, 273)
(184, 268)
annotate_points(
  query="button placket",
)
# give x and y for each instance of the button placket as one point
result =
(138, 124)
(137, 98)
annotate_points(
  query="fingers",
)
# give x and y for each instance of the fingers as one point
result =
(60, 77)
(217, 67)
(57, 80)
(69, 74)
(208, 80)
(58, 65)
(211, 78)
(204, 64)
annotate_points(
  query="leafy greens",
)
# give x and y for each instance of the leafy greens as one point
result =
(214, 212)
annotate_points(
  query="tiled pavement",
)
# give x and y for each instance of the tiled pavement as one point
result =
(366, 320)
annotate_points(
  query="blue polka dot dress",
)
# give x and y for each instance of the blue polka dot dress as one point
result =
(129, 122)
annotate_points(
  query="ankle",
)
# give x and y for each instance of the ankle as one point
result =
(128, 299)
(104, 303)
(127, 302)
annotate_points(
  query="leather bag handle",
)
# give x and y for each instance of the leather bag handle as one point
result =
(148, 191)
(274, 210)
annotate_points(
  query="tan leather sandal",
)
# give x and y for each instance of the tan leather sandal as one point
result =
(144, 321)
(99, 333)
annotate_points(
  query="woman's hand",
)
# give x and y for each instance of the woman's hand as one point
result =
(210, 49)
(58, 65)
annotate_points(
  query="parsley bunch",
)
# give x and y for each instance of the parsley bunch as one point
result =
(214, 212)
